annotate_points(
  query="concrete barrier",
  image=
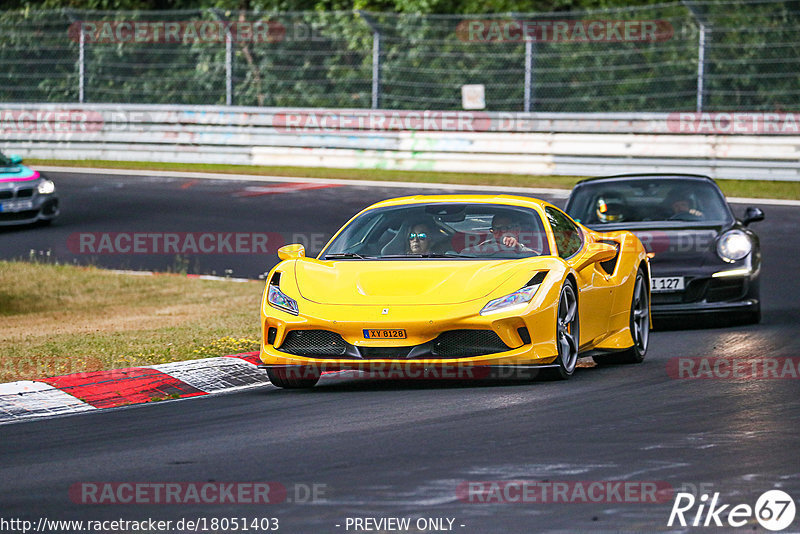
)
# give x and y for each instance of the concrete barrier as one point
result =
(449, 141)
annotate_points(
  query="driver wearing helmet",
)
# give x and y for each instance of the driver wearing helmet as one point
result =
(610, 209)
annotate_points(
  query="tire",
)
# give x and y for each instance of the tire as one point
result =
(639, 325)
(567, 335)
(293, 378)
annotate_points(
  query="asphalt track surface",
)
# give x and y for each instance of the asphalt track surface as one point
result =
(380, 448)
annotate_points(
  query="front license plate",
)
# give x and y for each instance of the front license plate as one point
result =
(665, 284)
(384, 333)
(16, 205)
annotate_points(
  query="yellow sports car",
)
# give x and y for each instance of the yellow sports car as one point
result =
(467, 282)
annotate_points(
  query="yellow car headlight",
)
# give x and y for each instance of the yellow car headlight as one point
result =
(517, 299)
(278, 299)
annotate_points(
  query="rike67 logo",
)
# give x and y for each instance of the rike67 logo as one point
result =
(774, 510)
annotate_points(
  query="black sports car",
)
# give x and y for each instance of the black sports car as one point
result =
(705, 259)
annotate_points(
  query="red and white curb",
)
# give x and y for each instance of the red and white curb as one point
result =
(81, 392)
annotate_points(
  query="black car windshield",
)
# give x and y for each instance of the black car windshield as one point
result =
(644, 200)
(441, 230)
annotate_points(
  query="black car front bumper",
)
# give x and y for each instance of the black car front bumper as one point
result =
(704, 295)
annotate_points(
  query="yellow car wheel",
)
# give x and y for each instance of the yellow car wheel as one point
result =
(567, 334)
(293, 377)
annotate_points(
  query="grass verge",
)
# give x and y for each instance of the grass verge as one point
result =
(731, 188)
(61, 319)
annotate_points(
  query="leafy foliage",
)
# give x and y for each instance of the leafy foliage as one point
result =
(321, 56)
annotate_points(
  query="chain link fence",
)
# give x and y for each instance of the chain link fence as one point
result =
(709, 56)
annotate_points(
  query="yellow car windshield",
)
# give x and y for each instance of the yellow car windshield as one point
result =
(439, 230)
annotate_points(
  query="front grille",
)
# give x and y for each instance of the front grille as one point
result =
(18, 216)
(722, 290)
(524, 335)
(710, 290)
(467, 343)
(24, 193)
(389, 353)
(451, 344)
(694, 292)
(313, 343)
(666, 298)
(5, 194)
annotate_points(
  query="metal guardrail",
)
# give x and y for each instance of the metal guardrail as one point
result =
(576, 144)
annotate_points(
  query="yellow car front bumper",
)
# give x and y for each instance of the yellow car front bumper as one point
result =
(527, 338)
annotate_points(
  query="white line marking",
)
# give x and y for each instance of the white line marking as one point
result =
(768, 201)
(559, 193)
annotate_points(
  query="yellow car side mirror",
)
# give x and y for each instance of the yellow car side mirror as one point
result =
(294, 251)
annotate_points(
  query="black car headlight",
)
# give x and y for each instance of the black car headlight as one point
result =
(734, 245)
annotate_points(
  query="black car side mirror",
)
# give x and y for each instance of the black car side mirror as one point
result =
(752, 214)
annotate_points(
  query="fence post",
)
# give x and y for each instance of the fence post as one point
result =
(703, 25)
(81, 54)
(228, 56)
(81, 65)
(228, 67)
(527, 92)
(528, 74)
(701, 66)
(376, 58)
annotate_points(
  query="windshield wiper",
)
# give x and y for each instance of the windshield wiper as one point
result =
(346, 256)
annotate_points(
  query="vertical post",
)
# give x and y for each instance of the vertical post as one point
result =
(228, 67)
(376, 70)
(216, 13)
(81, 64)
(701, 66)
(699, 14)
(526, 106)
(376, 57)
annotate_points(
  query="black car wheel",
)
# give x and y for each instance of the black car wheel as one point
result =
(639, 325)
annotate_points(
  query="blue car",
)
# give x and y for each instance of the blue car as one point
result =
(26, 196)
